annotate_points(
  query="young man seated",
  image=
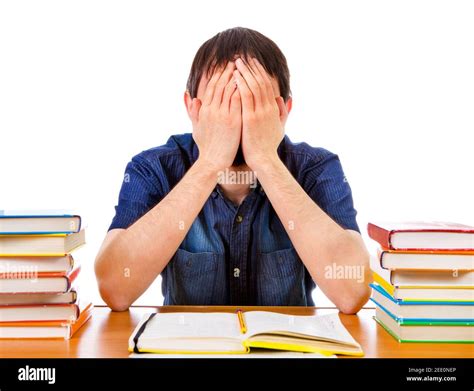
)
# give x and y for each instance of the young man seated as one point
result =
(235, 213)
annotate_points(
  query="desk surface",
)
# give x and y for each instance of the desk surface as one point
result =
(106, 335)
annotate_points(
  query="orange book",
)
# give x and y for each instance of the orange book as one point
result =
(425, 260)
(41, 264)
(45, 330)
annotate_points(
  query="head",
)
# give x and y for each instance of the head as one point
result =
(227, 46)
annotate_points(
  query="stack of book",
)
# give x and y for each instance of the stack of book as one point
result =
(38, 275)
(424, 281)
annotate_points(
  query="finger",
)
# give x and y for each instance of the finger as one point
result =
(260, 80)
(282, 108)
(235, 104)
(209, 93)
(229, 90)
(244, 91)
(195, 107)
(221, 84)
(250, 79)
(266, 78)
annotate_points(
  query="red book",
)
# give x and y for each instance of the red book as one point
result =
(42, 312)
(423, 236)
(38, 283)
(70, 297)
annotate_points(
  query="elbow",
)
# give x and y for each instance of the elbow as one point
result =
(110, 290)
(116, 304)
(352, 306)
(114, 299)
(359, 293)
(353, 302)
(357, 296)
(349, 309)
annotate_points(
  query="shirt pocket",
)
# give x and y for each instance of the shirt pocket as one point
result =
(281, 278)
(193, 277)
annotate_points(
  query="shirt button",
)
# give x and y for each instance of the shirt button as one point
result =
(239, 218)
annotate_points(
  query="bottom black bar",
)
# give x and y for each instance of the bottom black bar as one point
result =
(408, 374)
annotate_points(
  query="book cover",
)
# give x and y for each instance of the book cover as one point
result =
(45, 330)
(39, 222)
(423, 236)
(40, 283)
(425, 260)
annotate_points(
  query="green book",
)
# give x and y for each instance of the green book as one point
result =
(425, 331)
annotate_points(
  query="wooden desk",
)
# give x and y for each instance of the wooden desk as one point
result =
(106, 335)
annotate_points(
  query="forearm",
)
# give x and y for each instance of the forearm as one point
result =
(320, 242)
(134, 257)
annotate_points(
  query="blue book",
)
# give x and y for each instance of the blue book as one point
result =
(432, 312)
(13, 222)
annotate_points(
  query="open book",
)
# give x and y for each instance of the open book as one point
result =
(224, 333)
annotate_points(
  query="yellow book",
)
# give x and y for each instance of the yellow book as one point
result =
(41, 245)
(239, 333)
(426, 285)
(437, 293)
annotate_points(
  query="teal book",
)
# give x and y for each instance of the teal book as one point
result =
(425, 331)
(423, 311)
(36, 222)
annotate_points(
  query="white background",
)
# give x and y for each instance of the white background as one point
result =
(387, 85)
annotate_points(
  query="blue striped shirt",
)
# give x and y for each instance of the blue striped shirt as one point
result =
(235, 254)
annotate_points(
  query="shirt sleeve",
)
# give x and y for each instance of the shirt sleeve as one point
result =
(142, 188)
(328, 187)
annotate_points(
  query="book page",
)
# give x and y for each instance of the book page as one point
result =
(326, 326)
(192, 325)
(254, 354)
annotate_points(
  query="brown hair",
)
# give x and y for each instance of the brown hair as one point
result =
(223, 47)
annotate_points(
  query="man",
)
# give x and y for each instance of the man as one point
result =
(265, 241)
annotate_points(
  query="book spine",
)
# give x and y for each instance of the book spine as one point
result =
(380, 235)
(79, 224)
(72, 277)
(380, 255)
(81, 320)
